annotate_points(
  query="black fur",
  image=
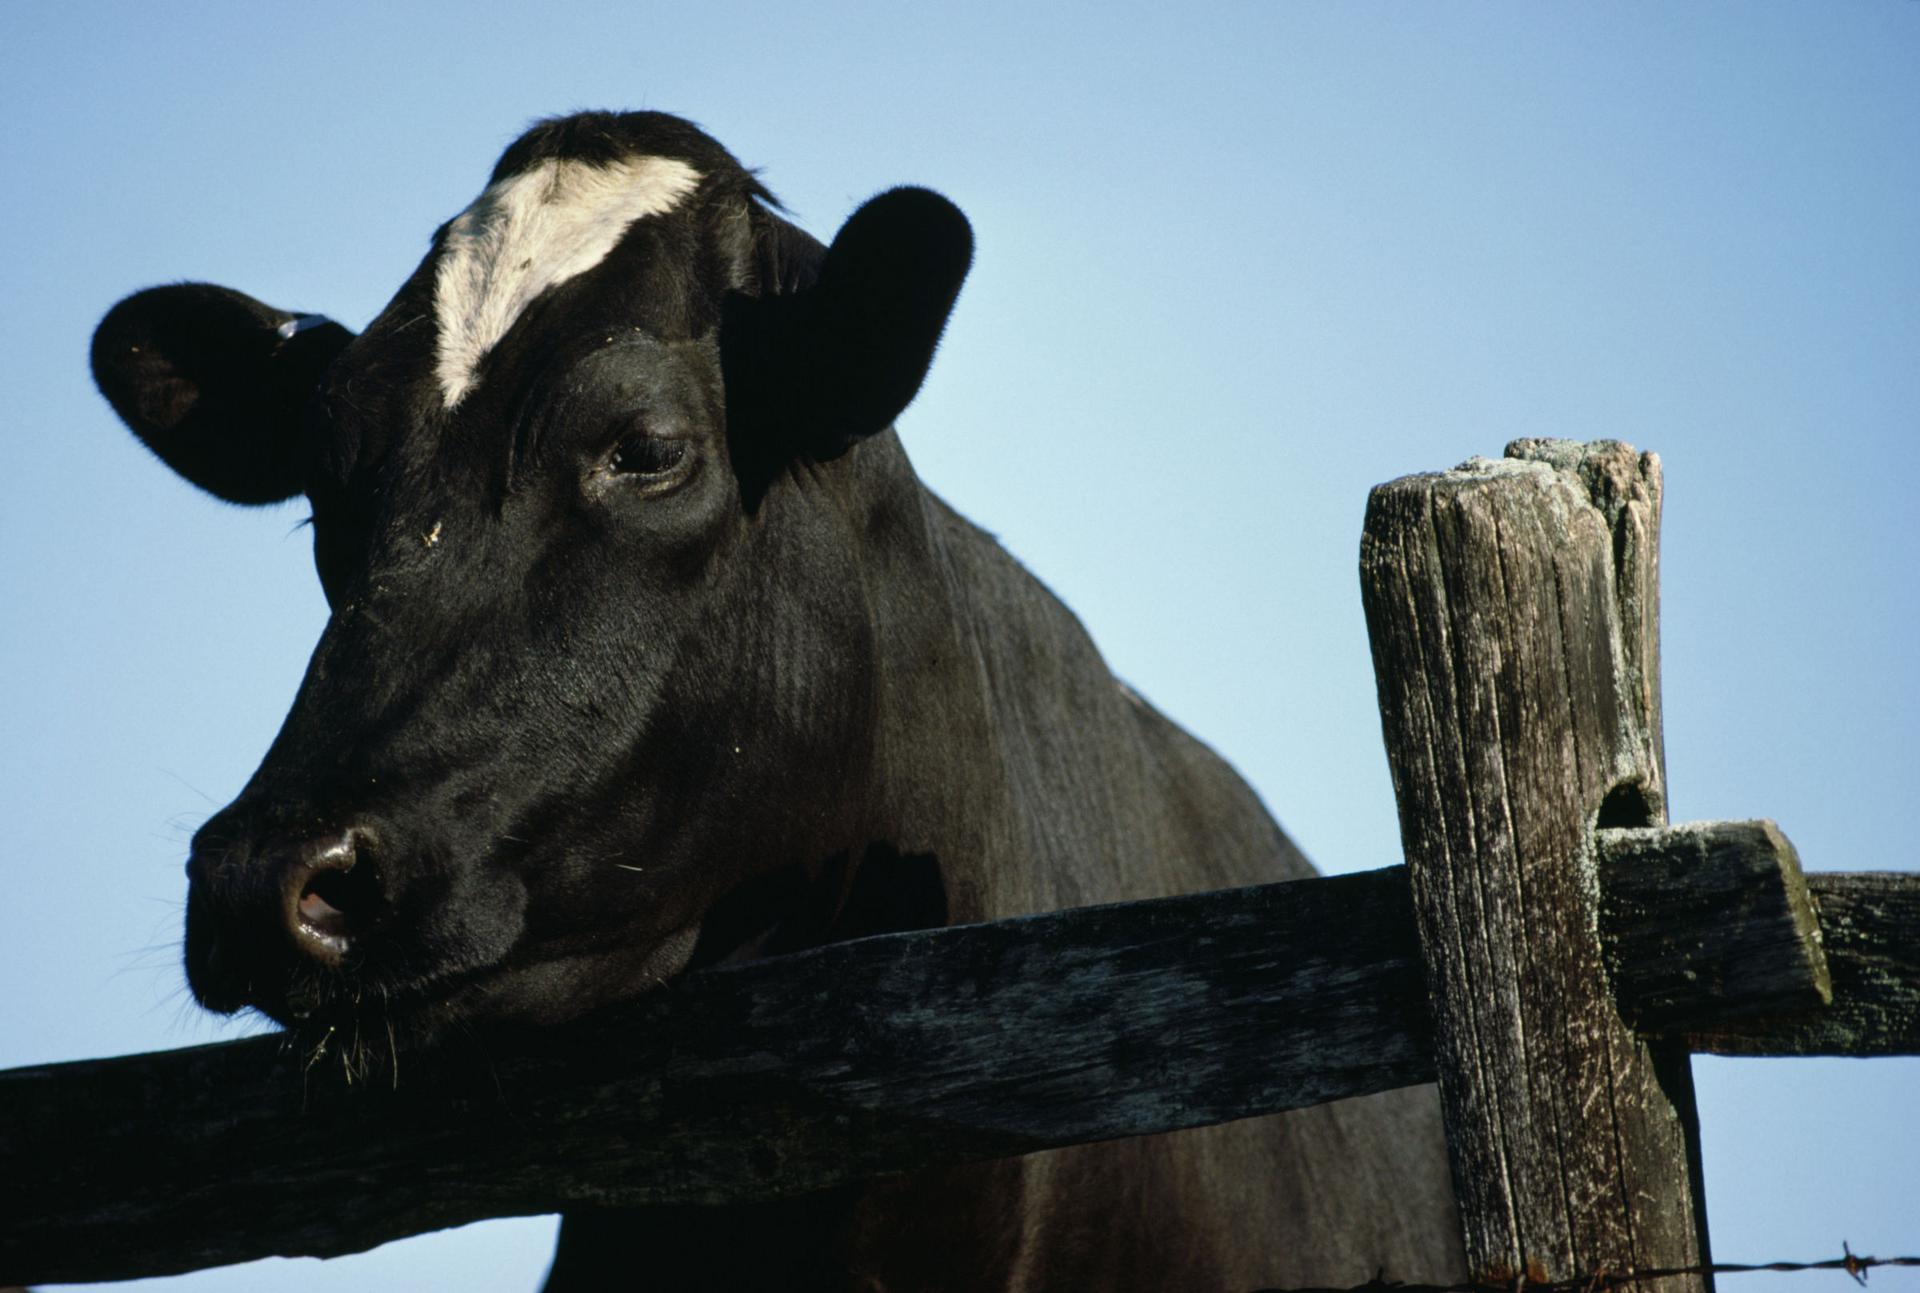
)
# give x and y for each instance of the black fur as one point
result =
(653, 651)
(204, 378)
(835, 363)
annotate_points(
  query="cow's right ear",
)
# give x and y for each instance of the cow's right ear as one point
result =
(214, 382)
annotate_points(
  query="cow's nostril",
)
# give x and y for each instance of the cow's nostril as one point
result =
(338, 893)
(326, 900)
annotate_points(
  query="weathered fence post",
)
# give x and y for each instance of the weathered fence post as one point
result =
(1513, 609)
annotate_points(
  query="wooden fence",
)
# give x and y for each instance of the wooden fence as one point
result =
(1551, 953)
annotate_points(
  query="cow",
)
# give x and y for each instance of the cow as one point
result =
(648, 651)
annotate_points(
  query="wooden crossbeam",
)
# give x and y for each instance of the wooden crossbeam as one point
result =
(811, 1070)
(760, 1080)
(1734, 886)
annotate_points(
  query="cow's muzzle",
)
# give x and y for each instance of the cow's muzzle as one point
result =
(260, 920)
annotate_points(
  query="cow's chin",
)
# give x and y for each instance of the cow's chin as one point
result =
(551, 992)
(368, 1029)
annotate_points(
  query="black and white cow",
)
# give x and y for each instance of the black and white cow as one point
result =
(649, 650)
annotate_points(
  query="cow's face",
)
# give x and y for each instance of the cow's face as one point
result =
(584, 515)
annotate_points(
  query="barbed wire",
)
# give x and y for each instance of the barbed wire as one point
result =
(1603, 1279)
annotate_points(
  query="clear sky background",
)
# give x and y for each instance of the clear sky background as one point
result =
(1236, 265)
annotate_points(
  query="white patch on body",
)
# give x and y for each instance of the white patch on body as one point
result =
(529, 232)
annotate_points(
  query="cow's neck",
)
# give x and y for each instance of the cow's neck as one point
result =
(992, 700)
(989, 701)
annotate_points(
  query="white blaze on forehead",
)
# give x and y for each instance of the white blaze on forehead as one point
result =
(529, 232)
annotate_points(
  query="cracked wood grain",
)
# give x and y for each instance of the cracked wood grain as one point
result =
(1512, 608)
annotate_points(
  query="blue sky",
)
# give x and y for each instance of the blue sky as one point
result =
(1236, 265)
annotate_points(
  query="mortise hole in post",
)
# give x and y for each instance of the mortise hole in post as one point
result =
(1625, 805)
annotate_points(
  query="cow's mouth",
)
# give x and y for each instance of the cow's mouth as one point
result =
(360, 990)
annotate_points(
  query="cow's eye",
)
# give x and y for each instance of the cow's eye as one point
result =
(647, 455)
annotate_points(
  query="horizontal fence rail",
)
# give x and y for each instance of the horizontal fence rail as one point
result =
(765, 1079)
(864, 1058)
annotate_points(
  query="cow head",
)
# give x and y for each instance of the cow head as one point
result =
(586, 516)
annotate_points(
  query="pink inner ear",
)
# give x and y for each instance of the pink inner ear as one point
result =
(166, 402)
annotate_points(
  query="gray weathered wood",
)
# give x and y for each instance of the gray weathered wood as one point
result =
(1870, 932)
(1708, 923)
(1713, 934)
(807, 1070)
(749, 1082)
(1512, 608)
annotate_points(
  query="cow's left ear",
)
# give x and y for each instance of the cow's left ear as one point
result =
(834, 362)
(214, 382)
